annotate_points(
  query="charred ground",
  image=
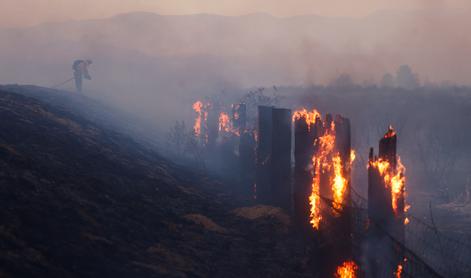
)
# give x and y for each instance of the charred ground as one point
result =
(78, 199)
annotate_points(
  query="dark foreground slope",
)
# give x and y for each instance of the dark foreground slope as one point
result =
(79, 200)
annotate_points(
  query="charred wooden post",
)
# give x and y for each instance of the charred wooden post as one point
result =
(247, 159)
(304, 134)
(281, 158)
(264, 154)
(239, 117)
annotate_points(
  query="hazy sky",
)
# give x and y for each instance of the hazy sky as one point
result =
(31, 12)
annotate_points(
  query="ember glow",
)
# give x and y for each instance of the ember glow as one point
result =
(347, 270)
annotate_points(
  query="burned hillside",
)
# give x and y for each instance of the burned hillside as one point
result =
(81, 200)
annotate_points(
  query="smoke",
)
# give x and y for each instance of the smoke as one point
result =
(156, 66)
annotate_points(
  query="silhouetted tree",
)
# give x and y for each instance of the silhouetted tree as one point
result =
(343, 81)
(406, 79)
(387, 81)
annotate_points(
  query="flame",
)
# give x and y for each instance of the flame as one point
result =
(315, 201)
(200, 127)
(394, 179)
(390, 133)
(198, 107)
(406, 221)
(353, 155)
(347, 270)
(320, 161)
(398, 272)
(339, 185)
(398, 182)
(224, 122)
(309, 116)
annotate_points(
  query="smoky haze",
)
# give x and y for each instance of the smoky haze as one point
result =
(152, 64)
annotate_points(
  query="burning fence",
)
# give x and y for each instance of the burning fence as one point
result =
(320, 194)
(227, 140)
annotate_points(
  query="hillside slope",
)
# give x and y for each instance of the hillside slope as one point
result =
(80, 200)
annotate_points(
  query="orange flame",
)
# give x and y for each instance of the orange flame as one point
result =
(320, 161)
(398, 182)
(347, 270)
(390, 133)
(198, 107)
(353, 156)
(309, 116)
(394, 178)
(224, 122)
(398, 272)
(339, 185)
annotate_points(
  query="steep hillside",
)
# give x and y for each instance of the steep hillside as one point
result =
(80, 200)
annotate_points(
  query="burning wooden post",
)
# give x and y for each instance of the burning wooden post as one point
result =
(281, 158)
(335, 155)
(386, 208)
(323, 158)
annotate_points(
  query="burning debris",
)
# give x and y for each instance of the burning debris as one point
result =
(348, 269)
